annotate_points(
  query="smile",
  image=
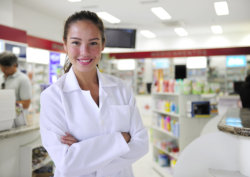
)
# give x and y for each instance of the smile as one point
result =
(84, 62)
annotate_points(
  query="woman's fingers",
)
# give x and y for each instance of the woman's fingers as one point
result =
(126, 136)
(68, 139)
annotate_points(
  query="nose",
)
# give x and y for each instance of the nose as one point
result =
(84, 49)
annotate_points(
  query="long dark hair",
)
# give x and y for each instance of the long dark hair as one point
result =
(82, 15)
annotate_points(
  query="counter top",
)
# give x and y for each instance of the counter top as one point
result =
(18, 130)
(236, 121)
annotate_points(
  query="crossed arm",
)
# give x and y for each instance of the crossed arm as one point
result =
(69, 139)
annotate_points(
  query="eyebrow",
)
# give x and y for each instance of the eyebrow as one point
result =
(76, 38)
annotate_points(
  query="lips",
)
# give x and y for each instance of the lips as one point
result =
(84, 61)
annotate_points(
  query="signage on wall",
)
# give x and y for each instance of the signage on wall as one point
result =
(196, 62)
(54, 66)
(37, 56)
(160, 63)
(236, 61)
(1, 46)
(18, 50)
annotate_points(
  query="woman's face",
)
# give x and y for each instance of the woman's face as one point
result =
(84, 46)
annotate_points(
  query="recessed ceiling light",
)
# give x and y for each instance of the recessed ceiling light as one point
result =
(216, 29)
(108, 17)
(161, 13)
(75, 0)
(221, 8)
(148, 34)
(181, 31)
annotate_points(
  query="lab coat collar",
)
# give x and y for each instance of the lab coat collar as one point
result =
(105, 81)
(71, 82)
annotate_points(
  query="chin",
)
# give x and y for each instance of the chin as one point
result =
(85, 69)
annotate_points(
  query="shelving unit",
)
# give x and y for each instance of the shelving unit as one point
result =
(166, 113)
(26, 153)
(46, 161)
(234, 74)
(40, 75)
(139, 74)
(183, 129)
(174, 155)
(163, 171)
(132, 77)
(168, 133)
(165, 132)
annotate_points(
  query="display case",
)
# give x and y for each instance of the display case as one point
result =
(172, 128)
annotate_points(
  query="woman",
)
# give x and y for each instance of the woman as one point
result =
(89, 122)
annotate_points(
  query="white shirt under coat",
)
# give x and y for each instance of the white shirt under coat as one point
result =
(101, 150)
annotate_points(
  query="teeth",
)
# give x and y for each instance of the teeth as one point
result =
(85, 61)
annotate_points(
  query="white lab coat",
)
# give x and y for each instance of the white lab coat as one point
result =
(101, 150)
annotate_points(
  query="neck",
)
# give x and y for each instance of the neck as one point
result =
(10, 74)
(87, 80)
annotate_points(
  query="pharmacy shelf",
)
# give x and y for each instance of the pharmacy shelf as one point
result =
(166, 93)
(164, 131)
(173, 155)
(164, 171)
(46, 161)
(166, 113)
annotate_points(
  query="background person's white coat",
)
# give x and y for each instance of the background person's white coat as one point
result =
(101, 150)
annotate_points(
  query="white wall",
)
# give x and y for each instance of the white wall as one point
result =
(37, 24)
(6, 15)
(45, 26)
(199, 41)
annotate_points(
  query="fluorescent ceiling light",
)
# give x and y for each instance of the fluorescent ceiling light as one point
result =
(161, 13)
(147, 34)
(181, 31)
(107, 17)
(216, 29)
(221, 8)
(75, 0)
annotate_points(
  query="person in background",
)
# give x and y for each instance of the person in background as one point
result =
(245, 93)
(14, 79)
(89, 121)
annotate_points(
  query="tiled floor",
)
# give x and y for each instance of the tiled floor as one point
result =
(143, 167)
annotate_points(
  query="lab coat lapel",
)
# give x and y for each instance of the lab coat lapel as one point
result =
(71, 82)
(104, 83)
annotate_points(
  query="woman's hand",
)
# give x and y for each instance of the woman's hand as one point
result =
(68, 139)
(126, 136)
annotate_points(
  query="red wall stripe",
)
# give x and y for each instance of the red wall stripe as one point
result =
(44, 44)
(13, 34)
(183, 53)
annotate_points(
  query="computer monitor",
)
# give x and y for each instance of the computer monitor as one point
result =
(180, 71)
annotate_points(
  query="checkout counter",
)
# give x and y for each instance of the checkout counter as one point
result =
(16, 142)
(224, 152)
(237, 123)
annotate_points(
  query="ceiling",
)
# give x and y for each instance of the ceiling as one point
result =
(196, 16)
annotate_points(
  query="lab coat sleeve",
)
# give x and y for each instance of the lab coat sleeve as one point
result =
(82, 158)
(138, 144)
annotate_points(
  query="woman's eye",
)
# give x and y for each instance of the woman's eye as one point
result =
(93, 43)
(75, 43)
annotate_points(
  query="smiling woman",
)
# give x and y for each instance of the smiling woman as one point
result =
(89, 121)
